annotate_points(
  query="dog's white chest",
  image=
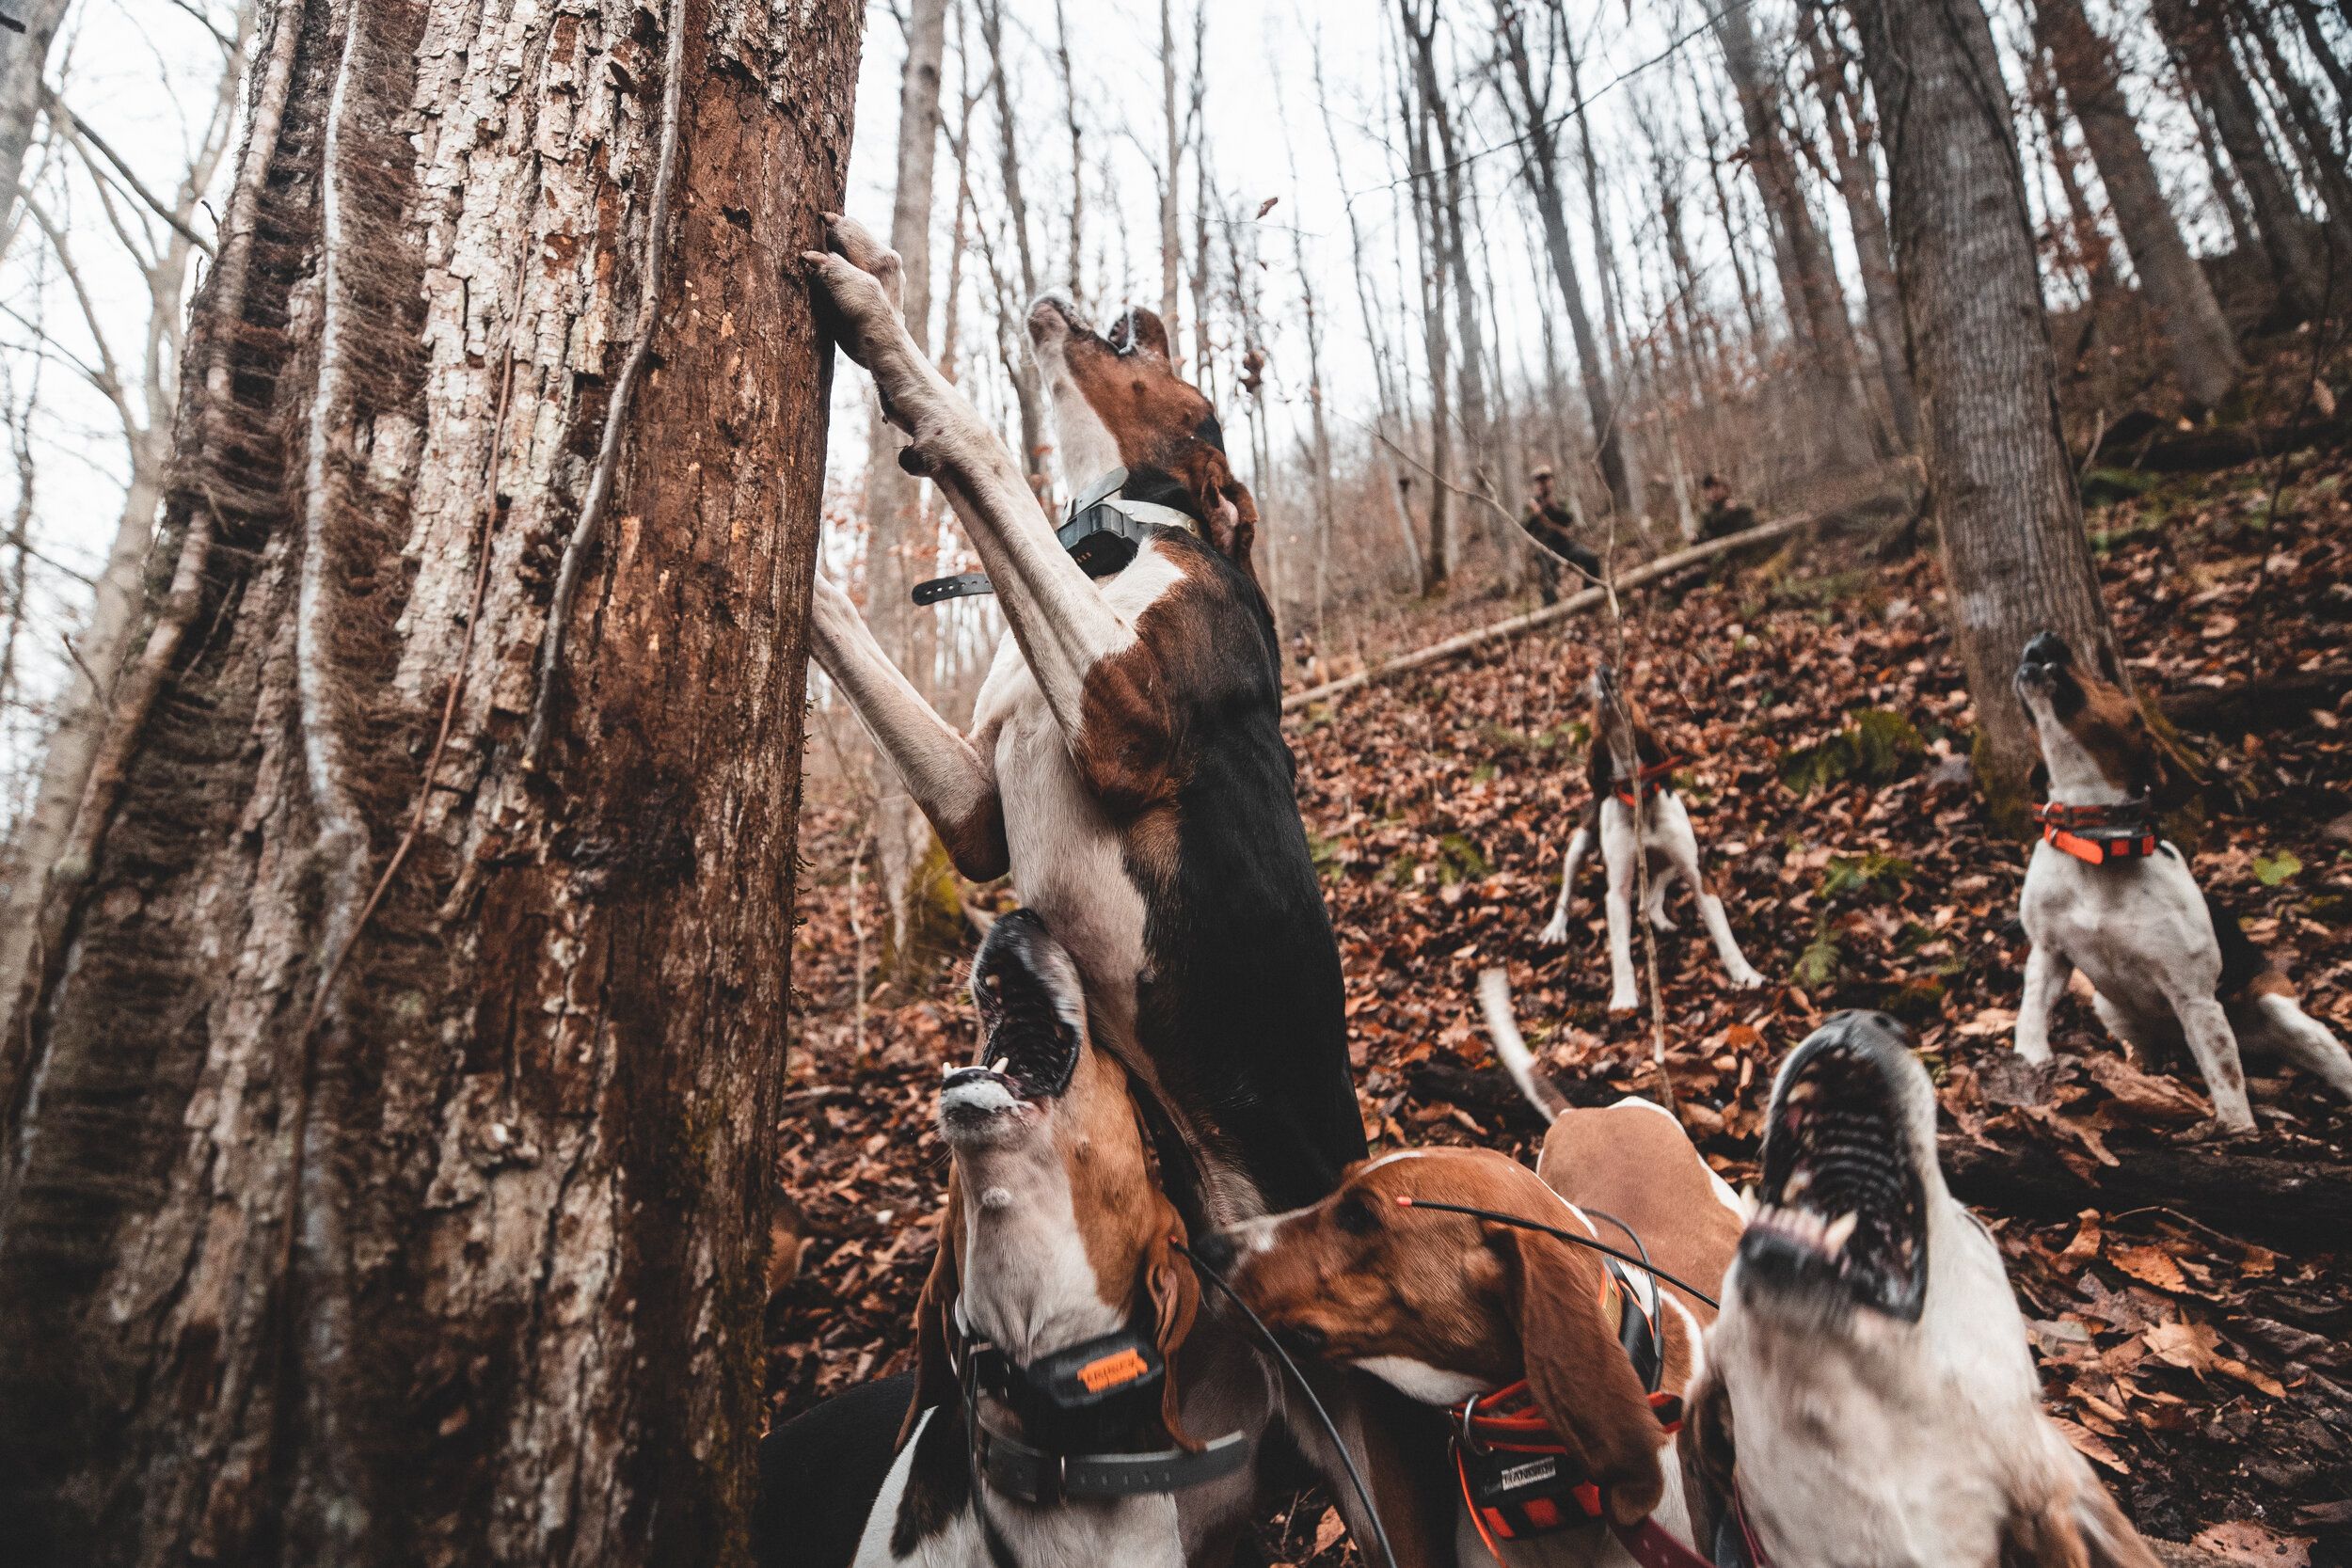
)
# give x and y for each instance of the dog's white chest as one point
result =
(1067, 861)
(2138, 931)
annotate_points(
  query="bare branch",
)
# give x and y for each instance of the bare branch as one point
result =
(81, 132)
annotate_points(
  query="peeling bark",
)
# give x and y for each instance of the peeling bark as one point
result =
(427, 1227)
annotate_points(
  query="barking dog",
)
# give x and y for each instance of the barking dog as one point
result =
(2105, 896)
(1565, 1369)
(1869, 1397)
(1052, 1336)
(1126, 760)
(1628, 765)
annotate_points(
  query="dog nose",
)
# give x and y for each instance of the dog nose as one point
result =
(2047, 647)
(1216, 1249)
(1866, 1033)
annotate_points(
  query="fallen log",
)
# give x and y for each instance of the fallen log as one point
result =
(1575, 604)
(2244, 707)
(2293, 1204)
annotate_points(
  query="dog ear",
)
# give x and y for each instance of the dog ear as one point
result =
(1139, 328)
(1175, 1289)
(1579, 1374)
(1232, 515)
(934, 1372)
(1707, 1453)
(2072, 1528)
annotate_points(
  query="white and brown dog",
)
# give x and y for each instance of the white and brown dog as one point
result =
(1055, 1366)
(1563, 1368)
(1126, 760)
(1631, 771)
(2107, 896)
(1868, 1394)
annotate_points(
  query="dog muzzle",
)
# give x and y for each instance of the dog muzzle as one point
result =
(1103, 530)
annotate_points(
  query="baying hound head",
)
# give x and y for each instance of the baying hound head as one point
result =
(1119, 403)
(1447, 1306)
(2093, 739)
(1043, 1134)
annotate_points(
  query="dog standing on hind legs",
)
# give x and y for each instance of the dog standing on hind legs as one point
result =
(1629, 769)
(2104, 894)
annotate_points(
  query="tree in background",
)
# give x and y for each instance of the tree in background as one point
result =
(407, 1023)
(2001, 486)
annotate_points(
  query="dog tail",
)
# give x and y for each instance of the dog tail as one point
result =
(1494, 998)
(2244, 968)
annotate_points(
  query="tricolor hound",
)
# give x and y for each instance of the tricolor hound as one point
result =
(1630, 769)
(1053, 1361)
(1563, 1368)
(2104, 894)
(1126, 760)
(1869, 1397)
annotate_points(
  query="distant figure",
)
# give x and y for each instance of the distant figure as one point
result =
(1722, 514)
(1553, 526)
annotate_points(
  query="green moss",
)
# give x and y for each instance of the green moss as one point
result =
(1460, 861)
(1877, 747)
(1863, 873)
(1818, 967)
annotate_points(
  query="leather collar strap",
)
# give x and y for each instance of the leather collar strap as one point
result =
(1035, 1475)
(1649, 781)
(1102, 531)
(2097, 834)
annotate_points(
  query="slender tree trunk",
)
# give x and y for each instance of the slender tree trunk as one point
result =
(1751, 304)
(2198, 42)
(1446, 209)
(23, 58)
(1808, 275)
(1171, 172)
(1435, 255)
(1858, 186)
(2015, 559)
(1542, 168)
(1018, 365)
(1622, 378)
(899, 534)
(2323, 157)
(2225, 186)
(2204, 350)
(1077, 156)
(383, 1160)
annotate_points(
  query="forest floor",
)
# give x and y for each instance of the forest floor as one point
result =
(2199, 1351)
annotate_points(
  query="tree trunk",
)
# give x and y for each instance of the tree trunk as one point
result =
(23, 58)
(2197, 39)
(2322, 158)
(2015, 559)
(1858, 187)
(1171, 232)
(1808, 275)
(1542, 170)
(383, 1163)
(1429, 223)
(2204, 350)
(899, 534)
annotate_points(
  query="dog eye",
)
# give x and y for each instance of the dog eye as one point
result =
(1353, 1216)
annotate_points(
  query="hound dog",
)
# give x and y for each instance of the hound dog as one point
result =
(1563, 1368)
(1126, 760)
(1060, 1415)
(1869, 1397)
(2104, 894)
(1631, 771)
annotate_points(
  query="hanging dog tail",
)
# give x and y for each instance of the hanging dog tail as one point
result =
(1494, 999)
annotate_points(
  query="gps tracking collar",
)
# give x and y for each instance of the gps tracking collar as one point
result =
(1105, 527)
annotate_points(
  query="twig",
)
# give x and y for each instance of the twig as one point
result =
(83, 130)
(600, 497)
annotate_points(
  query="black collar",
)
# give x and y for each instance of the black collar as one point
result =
(1107, 524)
(1073, 1406)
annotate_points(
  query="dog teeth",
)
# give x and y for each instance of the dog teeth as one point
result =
(1000, 1064)
(1799, 1180)
(1839, 1233)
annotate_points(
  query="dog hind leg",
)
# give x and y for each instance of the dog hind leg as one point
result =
(2273, 1023)
(1682, 847)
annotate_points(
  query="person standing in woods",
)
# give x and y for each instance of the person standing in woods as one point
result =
(386, 1133)
(1723, 515)
(1553, 525)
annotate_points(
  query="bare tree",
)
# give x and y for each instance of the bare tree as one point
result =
(408, 1020)
(1171, 175)
(2204, 350)
(1435, 256)
(2015, 559)
(23, 58)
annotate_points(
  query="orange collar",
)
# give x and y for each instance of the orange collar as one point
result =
(1649, 781)
(2097, 834)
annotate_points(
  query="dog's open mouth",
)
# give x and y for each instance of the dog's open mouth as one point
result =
(1032, 1025)
(1844, 1212)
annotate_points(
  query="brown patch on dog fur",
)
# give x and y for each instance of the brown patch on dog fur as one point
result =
(2109, 726)
(1631, 1161)
(977, 843)
(1601, 769)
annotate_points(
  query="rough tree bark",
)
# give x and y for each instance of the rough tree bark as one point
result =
(2015, 558)
(1541, 164)
(2204, 350)
(382, 1168)
(1808, 275)
(23, 58)
(2198, 42)
(898, 541)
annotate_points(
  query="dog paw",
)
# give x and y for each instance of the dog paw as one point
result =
(848, 239)
(1556, 933)
(1746, 979)
(1624, 1006)
(2217, 1131)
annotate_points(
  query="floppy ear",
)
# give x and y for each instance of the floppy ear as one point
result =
(1175, 1292)
(934, 1373)
(2038, 782)
(1232, 515)
(2076, 1528)
(1707, 1453)
(1579, 1374)
(1139, 328)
